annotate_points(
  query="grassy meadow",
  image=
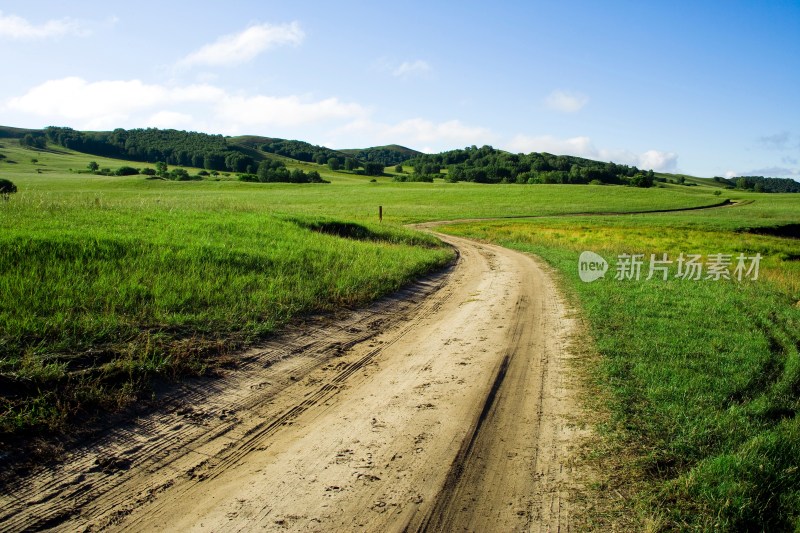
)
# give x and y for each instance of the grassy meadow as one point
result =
(103, 288)
(109, 281)
(702, 378)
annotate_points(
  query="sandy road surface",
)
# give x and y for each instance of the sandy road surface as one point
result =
(448, 409)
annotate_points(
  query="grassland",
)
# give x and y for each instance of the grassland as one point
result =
(702, 377)
(108, 281)
(104, 288)
(348, 196)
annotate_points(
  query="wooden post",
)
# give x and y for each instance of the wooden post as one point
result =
(380, 213)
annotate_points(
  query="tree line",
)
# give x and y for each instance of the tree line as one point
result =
(274, 171)
(201, 150)
(152, 145)
(301, 151)
(310, 153)
(490, 165)
(760, 184)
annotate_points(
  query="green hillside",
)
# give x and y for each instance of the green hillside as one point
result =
(389, 155)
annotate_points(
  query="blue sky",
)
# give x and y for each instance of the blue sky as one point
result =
(706, 88)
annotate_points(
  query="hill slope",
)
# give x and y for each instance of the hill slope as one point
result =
(388, 155)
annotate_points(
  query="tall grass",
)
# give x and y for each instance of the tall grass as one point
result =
(97, 298)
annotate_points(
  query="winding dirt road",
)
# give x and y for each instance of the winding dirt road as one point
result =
(450, 407)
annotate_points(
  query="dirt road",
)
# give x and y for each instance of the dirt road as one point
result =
(449, 408)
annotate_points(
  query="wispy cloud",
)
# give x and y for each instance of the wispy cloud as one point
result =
(406, 69)
(244, 46)
(777, 141)
(774, 172)
(583, 146)
(20, 29)
(566, 101)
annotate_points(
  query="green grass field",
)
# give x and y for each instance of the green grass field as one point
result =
(109, 281)
(348, 196)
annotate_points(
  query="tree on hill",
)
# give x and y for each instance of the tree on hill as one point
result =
(302, 151)
(161, 169)
(180, 148)
(762, 184)
(373, 169)
(33, 141)
(385, 155)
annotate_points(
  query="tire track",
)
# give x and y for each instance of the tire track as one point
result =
(446, 407)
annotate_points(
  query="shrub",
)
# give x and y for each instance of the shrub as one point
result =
(126, 171)
(180, 174)
(7, 187)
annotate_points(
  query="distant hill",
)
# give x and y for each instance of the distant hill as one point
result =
(244, 154)
(491, 165)
(7, 132)
(389, 155)
(299, 150)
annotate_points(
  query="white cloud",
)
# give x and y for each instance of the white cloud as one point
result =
(170, 119)
(579, 146)
(109, 104)
(582, 146)
(777, 141)
(658, 161)
(566, 102)
(285, 111)
(18, 28)
(425, 131)
(244, 46)
(412, 132)
(409, 68)
(91, 104)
